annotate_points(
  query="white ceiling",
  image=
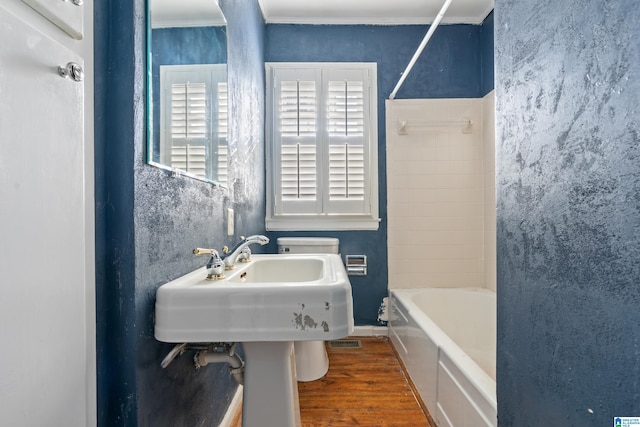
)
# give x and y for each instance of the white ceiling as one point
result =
(185, 13)
(382, 12)
(181, 13)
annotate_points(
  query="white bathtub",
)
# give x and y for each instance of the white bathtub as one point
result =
(447, 340)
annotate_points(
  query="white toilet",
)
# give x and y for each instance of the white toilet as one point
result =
(312, 362)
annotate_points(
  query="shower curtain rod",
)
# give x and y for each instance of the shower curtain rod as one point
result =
(423, 44)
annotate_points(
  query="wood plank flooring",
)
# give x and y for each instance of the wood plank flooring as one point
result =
(364, 387)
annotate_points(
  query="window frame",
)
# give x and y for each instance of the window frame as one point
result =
(368, 217)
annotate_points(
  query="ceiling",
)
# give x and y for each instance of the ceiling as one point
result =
(379, 12)
(185, 13)
(180, 13)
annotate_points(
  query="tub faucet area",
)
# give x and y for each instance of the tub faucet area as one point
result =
(241, 250)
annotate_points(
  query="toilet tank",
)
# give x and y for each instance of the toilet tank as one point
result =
(308, 245)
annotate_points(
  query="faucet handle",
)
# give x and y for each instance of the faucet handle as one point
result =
(203, 251)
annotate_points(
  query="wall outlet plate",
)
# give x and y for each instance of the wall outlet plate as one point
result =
(230, 222)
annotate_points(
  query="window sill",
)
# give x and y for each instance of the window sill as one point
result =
(322, 223)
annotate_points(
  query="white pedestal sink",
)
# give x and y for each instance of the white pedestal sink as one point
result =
(266, 305)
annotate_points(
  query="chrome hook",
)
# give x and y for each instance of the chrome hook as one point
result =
(73, 71)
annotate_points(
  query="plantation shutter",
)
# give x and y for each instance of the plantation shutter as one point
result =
(189, 127)
(223, 129)
(188, 110)
(296, 123)
(347, 138)
(322, 146)
(193, 135)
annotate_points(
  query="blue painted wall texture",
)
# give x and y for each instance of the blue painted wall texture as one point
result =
(148, 222)
(568, 210)
(115, 257)
(486, 55)
(449, 67)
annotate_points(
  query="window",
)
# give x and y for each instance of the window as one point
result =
(193, 119)
(322, 146)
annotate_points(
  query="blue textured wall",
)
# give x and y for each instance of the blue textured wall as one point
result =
(568, 186)
(148, 222)
(115, 256)
(486, 55)
(189, 45)
(449, 67)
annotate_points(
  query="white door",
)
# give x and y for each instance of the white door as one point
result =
(43, 308)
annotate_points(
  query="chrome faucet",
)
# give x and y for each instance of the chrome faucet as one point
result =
(241, 250)
(215, 264)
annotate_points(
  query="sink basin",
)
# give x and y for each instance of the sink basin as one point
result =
(271, 298)
(283, 269)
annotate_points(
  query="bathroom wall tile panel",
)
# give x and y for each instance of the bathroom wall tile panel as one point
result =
(412, 265)
(437, 225)
(452, 195)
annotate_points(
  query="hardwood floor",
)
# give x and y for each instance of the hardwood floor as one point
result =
(364, 387)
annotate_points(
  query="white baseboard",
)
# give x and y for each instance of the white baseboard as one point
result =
(370, 331)
(232, 410)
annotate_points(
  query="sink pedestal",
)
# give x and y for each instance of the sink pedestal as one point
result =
(270, 395)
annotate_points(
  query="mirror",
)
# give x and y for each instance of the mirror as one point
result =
(187, 89)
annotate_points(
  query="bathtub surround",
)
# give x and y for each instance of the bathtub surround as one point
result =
(568, 230)
(440, 193)
(441, 199)
(446, 339)
(148, 222)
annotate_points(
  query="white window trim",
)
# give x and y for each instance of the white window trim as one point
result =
(323, 221)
